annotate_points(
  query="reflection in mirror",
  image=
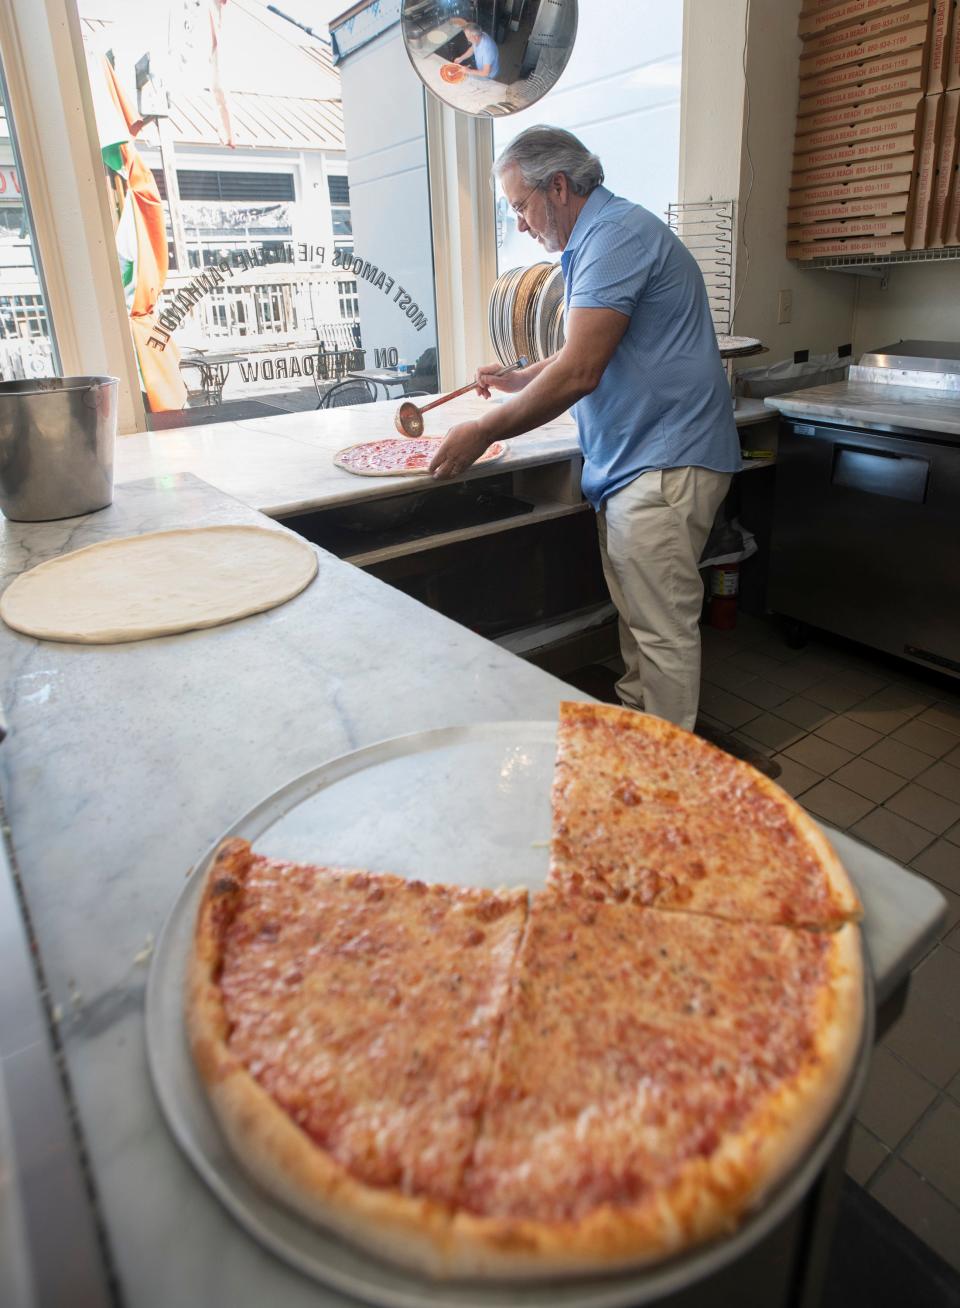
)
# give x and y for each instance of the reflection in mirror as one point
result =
(489, 57)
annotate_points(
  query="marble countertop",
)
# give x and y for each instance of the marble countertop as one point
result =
(124, 763)
(284, 465)
(875, 405)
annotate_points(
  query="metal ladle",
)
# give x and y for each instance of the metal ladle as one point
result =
(408, 419)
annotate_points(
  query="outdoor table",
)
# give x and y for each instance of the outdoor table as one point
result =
(214, 370)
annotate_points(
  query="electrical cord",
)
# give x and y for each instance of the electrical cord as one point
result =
(746, 141)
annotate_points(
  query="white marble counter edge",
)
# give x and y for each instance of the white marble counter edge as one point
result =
(300, 477)
(893, 408)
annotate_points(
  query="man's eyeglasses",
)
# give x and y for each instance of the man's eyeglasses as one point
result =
(519, 208)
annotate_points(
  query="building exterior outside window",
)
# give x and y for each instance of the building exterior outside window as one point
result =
(235, 112)
(27, 347)
(349, 303)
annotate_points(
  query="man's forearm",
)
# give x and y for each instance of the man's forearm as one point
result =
(551, 392)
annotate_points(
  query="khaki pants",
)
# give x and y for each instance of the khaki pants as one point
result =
(652, 534)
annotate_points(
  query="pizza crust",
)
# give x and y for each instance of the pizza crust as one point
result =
(406, 1229)
(711, 1195)
(159, 584)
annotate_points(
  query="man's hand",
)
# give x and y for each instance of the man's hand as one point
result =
(511, 382)
(461, 446)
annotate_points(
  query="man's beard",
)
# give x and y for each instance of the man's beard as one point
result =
(551, 233)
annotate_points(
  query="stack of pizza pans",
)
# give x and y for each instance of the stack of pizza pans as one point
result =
(526, 313)
(550, 313)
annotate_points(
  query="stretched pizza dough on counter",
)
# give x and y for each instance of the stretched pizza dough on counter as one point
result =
(158, 584)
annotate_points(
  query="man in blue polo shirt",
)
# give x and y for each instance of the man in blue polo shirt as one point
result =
(483, 51)
(641, 370)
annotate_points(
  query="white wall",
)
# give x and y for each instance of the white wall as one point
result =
(620, 93)
(715, 163)
(389, 197)
(711, 120)
(921, 302)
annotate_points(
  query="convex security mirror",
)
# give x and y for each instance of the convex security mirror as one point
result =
(489, 57)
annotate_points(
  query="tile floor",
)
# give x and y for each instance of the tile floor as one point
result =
(872, 746)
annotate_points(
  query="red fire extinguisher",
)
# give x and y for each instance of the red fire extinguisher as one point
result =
(724, 584)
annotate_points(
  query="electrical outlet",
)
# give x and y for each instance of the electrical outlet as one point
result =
(784, 306)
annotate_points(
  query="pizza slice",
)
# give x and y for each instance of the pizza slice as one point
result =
(344, 1025)
(657, 1073)
(648, 813)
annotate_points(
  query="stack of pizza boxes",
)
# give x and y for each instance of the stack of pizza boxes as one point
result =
(878, 125)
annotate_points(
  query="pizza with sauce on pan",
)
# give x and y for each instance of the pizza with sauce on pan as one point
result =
(398, 456)
(472, 1083)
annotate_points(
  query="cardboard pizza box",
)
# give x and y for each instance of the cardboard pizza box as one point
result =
(872, 70)
(848, 227)
(876, 47)
(953, 52)
(877, 206)
(862, 92)
(876, 246)
(822, 16)
(859, 113)
(867, 28)
(886, 148)
(849, 133)
(946, 168)
(878, 166)
(925, 171)
(937, 56)
(951, 228)
(863, 188)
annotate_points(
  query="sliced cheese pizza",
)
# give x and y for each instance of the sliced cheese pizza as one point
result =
(656, 1074)
(648, 813)
(472, 1088)
(344, 1025)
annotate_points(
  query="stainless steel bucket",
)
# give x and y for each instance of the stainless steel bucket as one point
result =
(57, 437)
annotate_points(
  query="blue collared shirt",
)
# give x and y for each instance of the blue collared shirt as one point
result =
(486, 51)
(663, 400)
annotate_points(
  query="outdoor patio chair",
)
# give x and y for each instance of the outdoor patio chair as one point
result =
(353, 391)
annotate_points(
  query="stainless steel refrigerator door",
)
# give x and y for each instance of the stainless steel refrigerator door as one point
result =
(866, 539)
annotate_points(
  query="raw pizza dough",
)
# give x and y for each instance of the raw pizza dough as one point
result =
(158, 584)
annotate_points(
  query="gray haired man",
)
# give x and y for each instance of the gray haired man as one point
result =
(483, 51)
(641, 370)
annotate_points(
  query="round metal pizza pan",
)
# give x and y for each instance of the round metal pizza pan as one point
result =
(739, 347)
(426, 791)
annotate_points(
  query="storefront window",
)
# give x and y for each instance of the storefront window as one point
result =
(229, 156)
(27, 347)
(620, 93)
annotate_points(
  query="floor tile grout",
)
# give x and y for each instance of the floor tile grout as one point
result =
(911, 1134)
(905, 1062)
(883, 1161)
(838, 670)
